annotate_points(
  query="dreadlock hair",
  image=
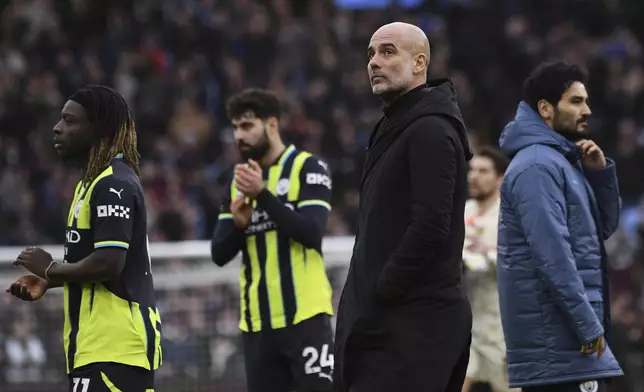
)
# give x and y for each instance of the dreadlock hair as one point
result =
(114, 129)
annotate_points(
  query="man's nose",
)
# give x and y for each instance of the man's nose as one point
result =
(237, 135)
(586, 111)
(374, 63)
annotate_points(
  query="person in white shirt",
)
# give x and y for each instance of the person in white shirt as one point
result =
(487, 353)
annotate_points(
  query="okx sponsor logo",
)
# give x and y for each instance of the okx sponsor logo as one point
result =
(113, 210)
(318, 179)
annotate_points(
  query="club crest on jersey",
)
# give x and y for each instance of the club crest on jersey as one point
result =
(589, 386)
(77, 208)
(283, 186)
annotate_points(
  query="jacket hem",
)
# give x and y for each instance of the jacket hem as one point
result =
(565, 379)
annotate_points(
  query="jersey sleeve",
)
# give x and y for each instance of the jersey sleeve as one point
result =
(224, 205)
(227, 239)
(315, 185)
(113, 204)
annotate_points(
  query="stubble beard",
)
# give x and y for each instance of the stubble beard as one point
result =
(570, 133)
(388, 93)
(393, 90)
(482, 197)
(380, 89)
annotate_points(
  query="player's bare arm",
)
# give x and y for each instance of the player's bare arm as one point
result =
(102, 265)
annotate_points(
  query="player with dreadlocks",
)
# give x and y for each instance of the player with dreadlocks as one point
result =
(112, 326)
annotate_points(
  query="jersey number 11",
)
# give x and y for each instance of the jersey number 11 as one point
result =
(84, 382)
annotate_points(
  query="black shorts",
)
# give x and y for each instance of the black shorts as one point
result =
(298, 358)
(109, 377)
(587, 386)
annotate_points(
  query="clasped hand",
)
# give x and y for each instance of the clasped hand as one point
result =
(249, 179)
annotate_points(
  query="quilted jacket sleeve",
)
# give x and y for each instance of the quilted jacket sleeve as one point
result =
(540, 202)
(606, 189)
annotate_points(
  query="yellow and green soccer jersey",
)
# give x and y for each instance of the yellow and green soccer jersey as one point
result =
(114, 321)
(283, 278)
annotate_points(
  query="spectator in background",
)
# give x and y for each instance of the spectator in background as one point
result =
(176, 63)
(25, 354)
(487, 353)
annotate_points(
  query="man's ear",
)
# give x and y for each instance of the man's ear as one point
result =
(546, 110)
(420, 63)
(272, 124)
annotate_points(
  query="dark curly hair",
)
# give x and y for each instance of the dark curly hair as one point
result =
(262, 103)
(550, 80)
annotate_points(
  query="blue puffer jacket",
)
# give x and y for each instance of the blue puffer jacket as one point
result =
(550, 275)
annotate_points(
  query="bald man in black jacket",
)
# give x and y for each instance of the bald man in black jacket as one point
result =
(404, 321)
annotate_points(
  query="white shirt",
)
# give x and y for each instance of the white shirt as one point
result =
(487, 332)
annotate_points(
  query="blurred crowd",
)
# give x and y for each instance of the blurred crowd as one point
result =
(201, 343)
(176, 62)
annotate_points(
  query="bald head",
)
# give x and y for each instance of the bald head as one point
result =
(398, 59)
(409, 36)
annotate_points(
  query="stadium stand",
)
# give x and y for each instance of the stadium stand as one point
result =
(177, 61)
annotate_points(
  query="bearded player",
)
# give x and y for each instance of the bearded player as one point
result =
(274, 213)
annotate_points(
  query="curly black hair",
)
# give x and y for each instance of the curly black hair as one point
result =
(550, 80)
(262, 103)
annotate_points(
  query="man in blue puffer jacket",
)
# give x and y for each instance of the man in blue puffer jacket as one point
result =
(559, 202)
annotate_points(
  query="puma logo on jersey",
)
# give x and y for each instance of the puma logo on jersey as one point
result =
(324, 165)
(118, 193)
